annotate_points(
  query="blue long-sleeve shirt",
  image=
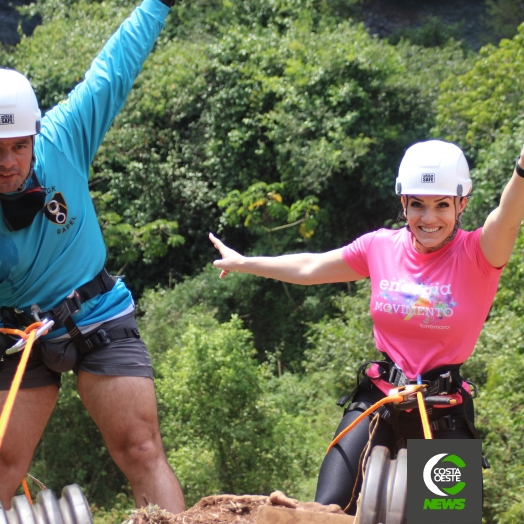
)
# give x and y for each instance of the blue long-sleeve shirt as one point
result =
(64, 248)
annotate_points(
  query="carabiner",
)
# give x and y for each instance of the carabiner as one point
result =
(48, 324)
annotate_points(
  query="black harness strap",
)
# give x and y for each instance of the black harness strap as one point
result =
(448, 423)
(62, 314)
(441, 380)
(102, 283)
(103, 337)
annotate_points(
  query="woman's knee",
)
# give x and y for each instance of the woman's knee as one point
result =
(340, 475)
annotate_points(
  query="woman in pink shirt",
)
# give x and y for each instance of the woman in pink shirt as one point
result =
(432, 285)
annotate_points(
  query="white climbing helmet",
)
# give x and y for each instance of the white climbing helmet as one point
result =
(19, 111)
(434, 168)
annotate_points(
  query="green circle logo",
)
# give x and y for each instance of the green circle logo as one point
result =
(445, 473)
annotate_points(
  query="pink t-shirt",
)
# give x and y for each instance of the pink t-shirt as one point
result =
(427, 310)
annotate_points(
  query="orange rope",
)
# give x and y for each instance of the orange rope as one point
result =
(15, 386)
(360, 418)
(21, 334)
(29, 335)
(424, 416)
(26, 491)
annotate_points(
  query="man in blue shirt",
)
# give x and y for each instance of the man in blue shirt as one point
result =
(52, 266)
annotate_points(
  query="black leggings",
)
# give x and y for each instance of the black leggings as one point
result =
(339, 470)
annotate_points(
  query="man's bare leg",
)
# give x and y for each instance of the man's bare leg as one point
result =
(125, 411)
(30, 414)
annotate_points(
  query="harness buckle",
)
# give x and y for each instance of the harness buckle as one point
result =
(35, 311)
(445, 423)
(444, 383)
(72, 302)
(396, 376)
(99, 338)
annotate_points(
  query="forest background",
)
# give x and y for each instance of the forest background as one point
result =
(279, 125)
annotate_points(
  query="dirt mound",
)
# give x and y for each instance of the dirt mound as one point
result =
(225, 509)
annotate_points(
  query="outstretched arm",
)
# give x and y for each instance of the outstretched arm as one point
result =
(78, 125)
(503, 223)
(302, 268)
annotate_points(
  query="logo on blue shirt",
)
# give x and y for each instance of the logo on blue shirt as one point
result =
(56, 209)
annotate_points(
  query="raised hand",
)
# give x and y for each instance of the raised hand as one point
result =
(230, 261)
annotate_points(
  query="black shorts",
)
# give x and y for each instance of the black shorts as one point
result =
(122, 357)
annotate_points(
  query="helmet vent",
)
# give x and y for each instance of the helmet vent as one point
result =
(399, 188)
(459, 190)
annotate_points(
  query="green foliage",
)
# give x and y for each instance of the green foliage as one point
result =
(67, 44)
(216, 17)
(277, 321)
(504, 17)
(231, 425)
(122, 506)
(432, 33)
(476, 108)
(127, 243)
(339, 344)
(500, 420)
(262, 208)
(287, 94)
(220, 432)
(509, 296)
(312, 108)
(325, 111)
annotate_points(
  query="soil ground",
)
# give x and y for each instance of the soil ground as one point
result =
(226, 509)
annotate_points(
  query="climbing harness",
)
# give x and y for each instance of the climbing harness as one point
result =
(62, 315)
(442, 380)
(383, 496)
(402, 395)
(444, 386)
(72, 508)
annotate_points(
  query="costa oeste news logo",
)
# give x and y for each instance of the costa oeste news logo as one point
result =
(442, 476)
(444, 481)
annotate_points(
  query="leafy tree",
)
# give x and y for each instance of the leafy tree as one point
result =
(504, 17)
(432, 33)
(476, 108)
(212, 17)
(70, 38)
(221, 433)
(278, 323)
(499, 354)
(277, 423)
(319, 107)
